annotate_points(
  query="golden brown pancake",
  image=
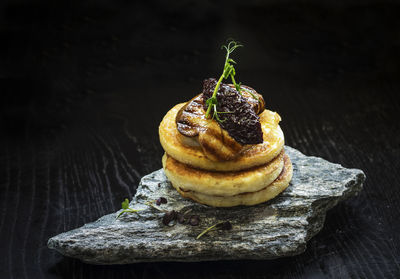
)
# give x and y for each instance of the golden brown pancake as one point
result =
(248, 198)
(192, 155)
(221, 183)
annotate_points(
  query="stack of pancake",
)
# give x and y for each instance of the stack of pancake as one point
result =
(254, 173)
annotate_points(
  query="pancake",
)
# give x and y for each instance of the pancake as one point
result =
(249, 198)
(222, 183)
(192, 155)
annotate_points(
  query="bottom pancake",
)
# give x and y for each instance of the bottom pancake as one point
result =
(248, 198)
(222, 183)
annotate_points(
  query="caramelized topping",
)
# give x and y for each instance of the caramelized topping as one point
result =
(239, 117)
(252, 97)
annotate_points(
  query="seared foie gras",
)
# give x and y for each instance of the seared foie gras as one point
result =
(191, 117)
(252, 97)
(238, 115)
(217, 144)
(198, 131)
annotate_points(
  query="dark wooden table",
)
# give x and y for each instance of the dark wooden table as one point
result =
(84, 85)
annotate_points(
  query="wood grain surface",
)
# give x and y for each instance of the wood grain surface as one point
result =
(84, 85)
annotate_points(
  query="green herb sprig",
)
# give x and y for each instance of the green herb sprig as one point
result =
(127, 209)
(150, 203)
(229, 71)
(226, 225)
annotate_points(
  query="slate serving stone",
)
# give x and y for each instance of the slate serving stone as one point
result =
(278, 228)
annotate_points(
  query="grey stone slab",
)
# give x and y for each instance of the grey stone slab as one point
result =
(280, 227)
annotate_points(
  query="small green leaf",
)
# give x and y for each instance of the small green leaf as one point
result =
(230, 60)
(125, 204)
(237, 85)
(211, 101)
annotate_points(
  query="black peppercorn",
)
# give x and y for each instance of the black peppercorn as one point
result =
(181, 218)
(194, 220)
(161, 200)
(168, 217)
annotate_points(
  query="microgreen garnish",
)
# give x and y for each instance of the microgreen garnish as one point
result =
(229, 71)
(226, 225)
(212, 102)
(125, 204)
(126, 208)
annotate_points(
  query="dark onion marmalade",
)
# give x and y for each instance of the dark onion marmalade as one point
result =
(238, 118)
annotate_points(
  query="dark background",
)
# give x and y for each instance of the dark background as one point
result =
(84, 85)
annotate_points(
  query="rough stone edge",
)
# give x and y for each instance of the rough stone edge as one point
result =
(301, 248)
(358, 182)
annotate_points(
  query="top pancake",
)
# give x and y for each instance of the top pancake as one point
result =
(255, 155)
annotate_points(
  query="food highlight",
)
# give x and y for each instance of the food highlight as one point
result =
(223, 148)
